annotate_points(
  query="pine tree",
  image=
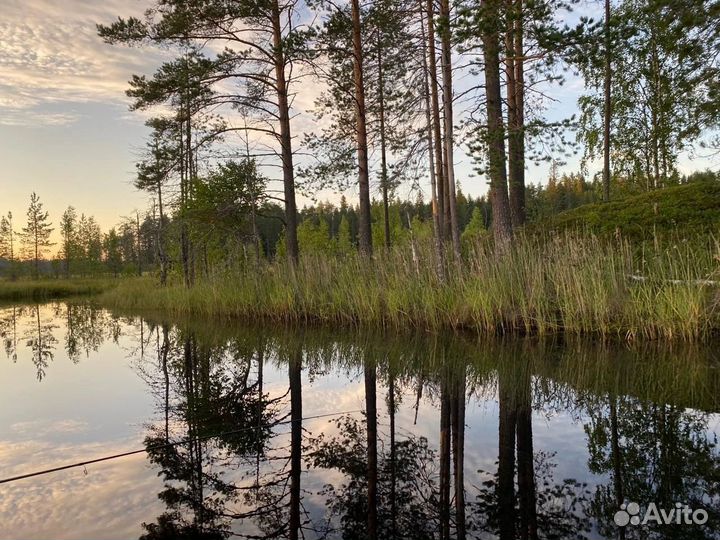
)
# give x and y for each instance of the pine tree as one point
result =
(36, 234)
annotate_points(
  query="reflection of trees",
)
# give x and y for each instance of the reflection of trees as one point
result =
(406, 481)
(219, 420)
(653, 453)
(41, 341)
(535, 505)
(9, 330)
(87, 328)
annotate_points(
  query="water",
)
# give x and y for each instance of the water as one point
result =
(588, 425)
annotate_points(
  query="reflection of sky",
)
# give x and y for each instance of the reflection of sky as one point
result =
(102, 406)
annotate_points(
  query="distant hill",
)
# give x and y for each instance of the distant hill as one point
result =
(688, 210)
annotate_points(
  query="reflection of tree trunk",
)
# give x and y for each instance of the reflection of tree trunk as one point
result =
(391, 407)
(525, 458)
(418, 397)
(458, 428)
(616, 459)
(260, 407)
(444, 462)
(506, 460)
(371, 408)
(295, 377)
(194, 445)
(164, 349)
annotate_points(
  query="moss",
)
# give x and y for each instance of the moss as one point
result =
(685, 211)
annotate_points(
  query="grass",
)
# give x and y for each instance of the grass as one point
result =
(571, 283)
(47, 289)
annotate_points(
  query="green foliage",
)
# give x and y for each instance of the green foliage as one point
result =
(688, 210)
(223, 202)
(111, 247)
(474, 232)
(663, 68)
(314, 237)
(344, 240)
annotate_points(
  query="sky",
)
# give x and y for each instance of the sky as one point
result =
(65, 128)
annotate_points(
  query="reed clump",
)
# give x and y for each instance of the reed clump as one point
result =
(573, 283)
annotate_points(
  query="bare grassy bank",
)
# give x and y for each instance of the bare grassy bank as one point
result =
(47, 289)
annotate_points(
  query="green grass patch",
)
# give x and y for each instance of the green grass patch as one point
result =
(47, 289)
(686, 210)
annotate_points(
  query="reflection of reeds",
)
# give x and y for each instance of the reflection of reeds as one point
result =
(563, 370)
(577, 284)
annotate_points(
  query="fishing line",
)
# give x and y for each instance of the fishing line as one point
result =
(164, 445)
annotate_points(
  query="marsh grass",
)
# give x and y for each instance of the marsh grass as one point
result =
(572, 283)
(48, 289)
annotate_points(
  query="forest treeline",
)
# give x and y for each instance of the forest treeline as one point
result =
(398, 89)
(130, 248)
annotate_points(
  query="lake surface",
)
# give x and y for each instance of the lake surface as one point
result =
(264, 433)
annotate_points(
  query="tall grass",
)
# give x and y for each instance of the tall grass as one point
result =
(574, 283)
(45, 289)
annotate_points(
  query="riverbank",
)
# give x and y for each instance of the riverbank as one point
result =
(579, 285)
(49, 289)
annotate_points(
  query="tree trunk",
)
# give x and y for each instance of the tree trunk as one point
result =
(161, 238)
(383, 149)
(437, 233)
(608, 105)
(286, 152)
(435, 100)
(502, 225)
(364, 220)
(139, 245)
(515, 103)
(446, 61)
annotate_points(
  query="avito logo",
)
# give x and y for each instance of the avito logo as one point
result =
(630, 514)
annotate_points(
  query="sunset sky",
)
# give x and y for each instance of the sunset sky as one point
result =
(65, 128)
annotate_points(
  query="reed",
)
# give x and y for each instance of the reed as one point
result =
(572, 283)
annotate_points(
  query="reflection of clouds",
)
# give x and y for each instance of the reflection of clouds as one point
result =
(109, 502)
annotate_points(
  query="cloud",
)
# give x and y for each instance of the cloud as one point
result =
(50, 53)
(110, 501)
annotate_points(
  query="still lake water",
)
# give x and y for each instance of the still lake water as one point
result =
(587, 424)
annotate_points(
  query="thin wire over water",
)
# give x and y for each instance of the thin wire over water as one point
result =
(164, 445)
